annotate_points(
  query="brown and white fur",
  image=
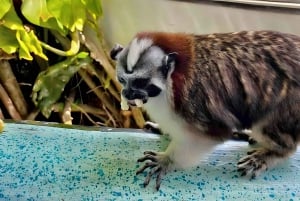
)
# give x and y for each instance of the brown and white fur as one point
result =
(199, 88)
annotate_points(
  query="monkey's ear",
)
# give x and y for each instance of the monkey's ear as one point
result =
(115, 51)
(168, 63)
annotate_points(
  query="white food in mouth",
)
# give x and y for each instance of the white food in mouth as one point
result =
(124, 104)
(138, 102)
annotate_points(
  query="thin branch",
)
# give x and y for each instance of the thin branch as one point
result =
(110, 117)
(92, 70)
(88, 116)
(99, 93)
(87, 109)
(58, 107)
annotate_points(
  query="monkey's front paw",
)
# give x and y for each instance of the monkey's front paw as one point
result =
(158, 163)
(255, 162)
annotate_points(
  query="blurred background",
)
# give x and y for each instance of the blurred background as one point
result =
(123, 18)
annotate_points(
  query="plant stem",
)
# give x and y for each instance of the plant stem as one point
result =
(7, 102)
(33, 114)
(75, 45)
(138, 117)
(66, 114)
(64, 41)
(12, 87)
(1, 114)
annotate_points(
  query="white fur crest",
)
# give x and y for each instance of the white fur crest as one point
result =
(136, 47)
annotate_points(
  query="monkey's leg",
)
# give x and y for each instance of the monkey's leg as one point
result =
(183, 153)
(260, 160)
(277, 144)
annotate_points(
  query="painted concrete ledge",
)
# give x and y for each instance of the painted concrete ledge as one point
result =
(51, 163)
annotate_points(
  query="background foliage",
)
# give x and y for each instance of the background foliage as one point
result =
(54, 67)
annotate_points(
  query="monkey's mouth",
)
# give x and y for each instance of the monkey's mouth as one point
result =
(137, 102)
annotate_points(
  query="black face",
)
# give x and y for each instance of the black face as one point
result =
(139, 88)
(144, 72)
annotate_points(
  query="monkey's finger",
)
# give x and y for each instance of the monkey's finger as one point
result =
(147, 165)
(251, 152)
(246, 159)
(153, 171)
(150, 153)
(148, 157)
(159, 177)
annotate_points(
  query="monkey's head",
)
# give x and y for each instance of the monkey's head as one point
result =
(142, 69)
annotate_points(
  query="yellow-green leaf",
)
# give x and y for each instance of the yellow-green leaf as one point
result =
(24, 52)
(5, 6)
(29, 43)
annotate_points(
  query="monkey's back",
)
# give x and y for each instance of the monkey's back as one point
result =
(236, 79)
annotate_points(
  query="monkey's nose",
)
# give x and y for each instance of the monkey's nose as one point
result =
(132, 95)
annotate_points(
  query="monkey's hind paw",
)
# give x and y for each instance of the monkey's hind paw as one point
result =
(158, 163)
(255, 162)
(152, 127)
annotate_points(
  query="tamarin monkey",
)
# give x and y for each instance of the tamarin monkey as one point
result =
(199, 88)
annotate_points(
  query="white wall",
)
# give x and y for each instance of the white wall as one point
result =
(123, 18)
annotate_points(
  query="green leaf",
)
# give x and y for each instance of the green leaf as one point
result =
(5, 6)
(50, 84)
(8, 41)
(70, 13)
(37, 12)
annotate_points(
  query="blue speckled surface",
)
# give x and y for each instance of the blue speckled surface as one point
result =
(50, 163)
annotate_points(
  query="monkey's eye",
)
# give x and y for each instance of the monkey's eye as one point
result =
(121, 80)
(140, 82)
